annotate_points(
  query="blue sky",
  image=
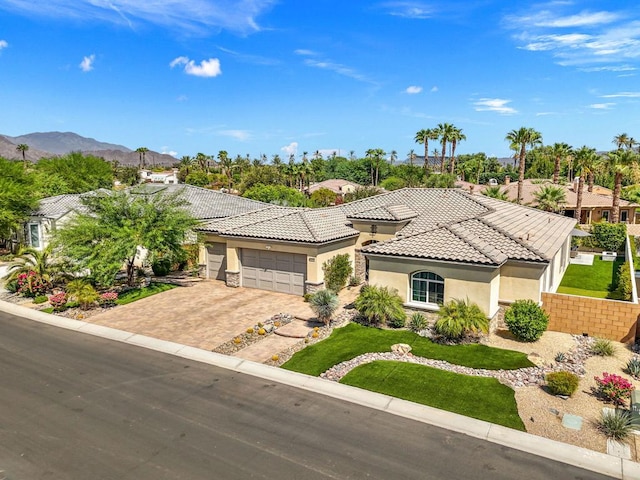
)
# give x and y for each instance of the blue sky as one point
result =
(287, 76)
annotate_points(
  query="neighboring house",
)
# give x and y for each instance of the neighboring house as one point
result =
(431, 245)
(336, 185)
(596, 205)
(53, 212)
(166, 177)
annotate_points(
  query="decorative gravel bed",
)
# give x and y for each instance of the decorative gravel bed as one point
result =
(246, 338)
(523, 377)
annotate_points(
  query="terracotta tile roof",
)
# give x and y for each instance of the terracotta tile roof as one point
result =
(287, 224)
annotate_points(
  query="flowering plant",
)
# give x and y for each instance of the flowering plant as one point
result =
(58, 301)
(31, 284)
(108, 299)
(614, 388)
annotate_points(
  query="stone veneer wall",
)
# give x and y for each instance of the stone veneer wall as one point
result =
(233, 278)
(612, 319)
(310, 287)
(360, 267)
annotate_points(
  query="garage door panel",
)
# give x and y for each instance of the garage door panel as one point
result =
(275, 271)
(216, 261)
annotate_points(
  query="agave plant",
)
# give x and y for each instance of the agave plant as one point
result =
(633, 367)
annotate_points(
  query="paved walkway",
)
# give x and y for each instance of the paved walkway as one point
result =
(208, 313)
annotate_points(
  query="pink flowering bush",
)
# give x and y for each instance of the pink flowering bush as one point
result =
(58, 301)
(108, 299)
(31, 284)
(614, 388)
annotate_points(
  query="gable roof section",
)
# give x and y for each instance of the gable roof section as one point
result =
(58, 206)
(285, 224)
(391, 213)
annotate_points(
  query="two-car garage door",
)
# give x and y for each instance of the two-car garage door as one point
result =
(275, 271)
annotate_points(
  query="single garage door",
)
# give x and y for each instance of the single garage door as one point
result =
(275, 271)
(216, 261)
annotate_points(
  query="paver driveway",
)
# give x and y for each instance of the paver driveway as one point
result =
(202, 315)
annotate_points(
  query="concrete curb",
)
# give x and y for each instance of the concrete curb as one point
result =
(543, 447)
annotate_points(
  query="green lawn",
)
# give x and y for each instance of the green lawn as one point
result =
(144, 292)
(354, 339)
(598, 280)
(476, 397)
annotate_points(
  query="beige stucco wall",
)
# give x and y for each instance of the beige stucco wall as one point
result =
(521, 281)
(384, 231)
(479, 284)
(326, 252)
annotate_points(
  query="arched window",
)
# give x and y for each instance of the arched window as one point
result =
(427, 287)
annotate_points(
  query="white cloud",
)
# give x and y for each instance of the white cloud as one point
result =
(167, 151)
(291, 149)
(610, 68)
(3, 44)
(434, 89)
(622, 95)
(601, 106)
(302, 51)
(419, 10)
(86, 65)
(241, 135)
(184, 16)
(413, 89)
(498, 105)
(182, 98)
(206, 68)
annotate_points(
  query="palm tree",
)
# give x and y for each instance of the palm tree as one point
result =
(393, 156)
(375, 156)
(412, 156)
(495, 192)
(23, 147)
(352, 155)
(141, 154)
(523, 137)
(455, 137)
(550, 198)
(39, 261)
(619, 163)
(585, 160)
(621, 140)
(559, 152)
(422, 137)
(187, 162)
(203, 161)
(226, 164)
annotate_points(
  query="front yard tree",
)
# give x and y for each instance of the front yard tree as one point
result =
(519, 140)
(109, 232)
(17, 197)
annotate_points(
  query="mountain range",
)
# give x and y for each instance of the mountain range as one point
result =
(53, 144)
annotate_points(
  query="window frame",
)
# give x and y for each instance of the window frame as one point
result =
(30, 225)
(430, 279)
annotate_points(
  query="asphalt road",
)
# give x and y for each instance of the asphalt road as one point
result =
(73, 406)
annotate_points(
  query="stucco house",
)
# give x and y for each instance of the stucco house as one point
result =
(336, 185)
(166, 177)
(431, 245)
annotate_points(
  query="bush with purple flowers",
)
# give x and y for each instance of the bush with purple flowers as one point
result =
(614, 388)
(31, 284)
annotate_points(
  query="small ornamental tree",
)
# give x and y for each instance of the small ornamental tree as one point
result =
(526, 320)
(337, 271)
(324, 303)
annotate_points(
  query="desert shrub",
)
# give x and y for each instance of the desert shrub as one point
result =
(40, 299)
(603, 347)
(624, 288)
(418, 322)
(12, 286)
(609, 236)
(616, 425)
(526, 320)
(379, 305)
(82, 292)
(393, 183)
(337, 271)
(560, 357)
(459, 318)
(324, 303)
(354, 281)
(58, 301)
(108, 299)
(633, 367)
(613, 388)
(397, 322)
(562, 383)
(161, 267)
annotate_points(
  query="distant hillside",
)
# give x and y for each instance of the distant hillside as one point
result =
(63, 142)
(52, 144)
(151, 158)
(8, 151)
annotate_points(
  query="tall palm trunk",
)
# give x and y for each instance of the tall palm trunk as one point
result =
(591, 181)
(522, 158)
(444, 148)
(556, 170)
(452, 161)
(615, 206)
(425, 166)
(578, 212)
